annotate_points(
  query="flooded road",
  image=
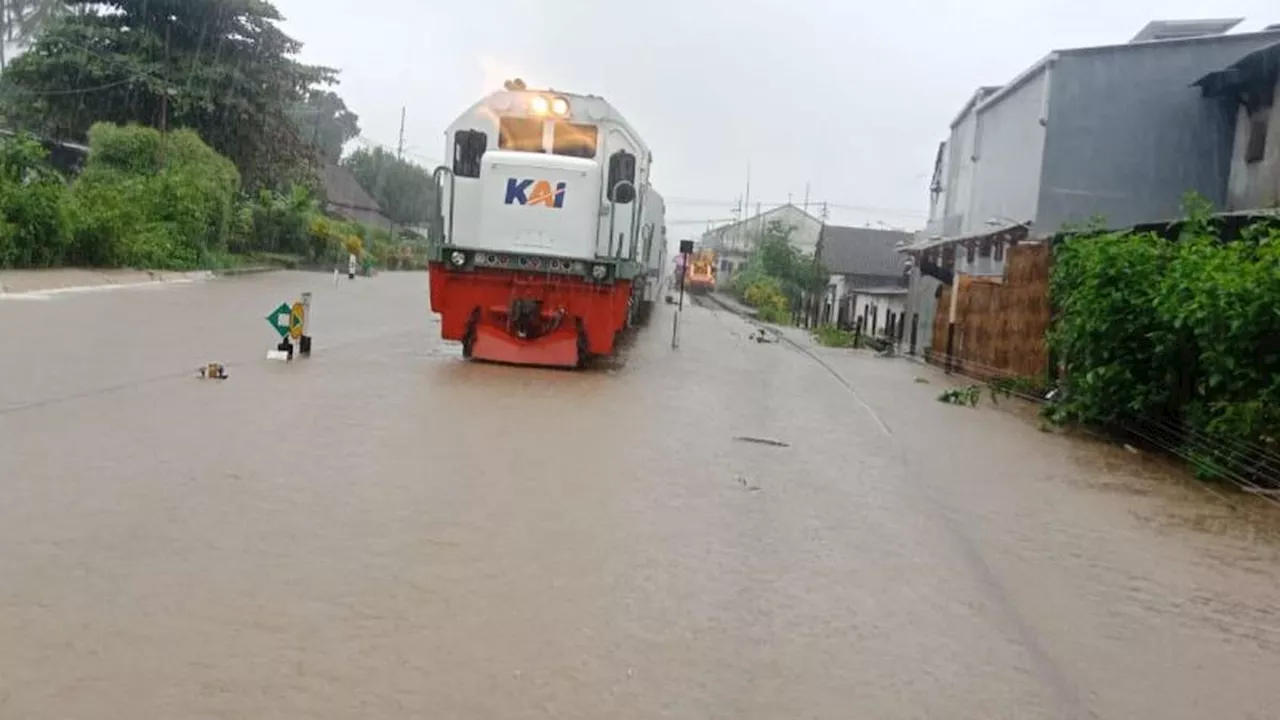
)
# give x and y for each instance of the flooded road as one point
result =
(724, 531)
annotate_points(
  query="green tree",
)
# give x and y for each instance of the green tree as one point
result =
(220, 67)
(777, 269)
(22, 20)
(325, 122)
(403, 189)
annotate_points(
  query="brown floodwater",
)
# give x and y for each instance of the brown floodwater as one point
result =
(719, 531)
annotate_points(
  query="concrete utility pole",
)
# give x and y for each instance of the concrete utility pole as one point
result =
(399, 156)
(400, 147)
(806, 198)
(164, 99)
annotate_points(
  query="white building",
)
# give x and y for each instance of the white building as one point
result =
(734, 242)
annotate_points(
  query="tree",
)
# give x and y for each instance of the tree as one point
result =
(219, 67)
(325, 122)
(22, 20)
(404, 190)
(778, 278)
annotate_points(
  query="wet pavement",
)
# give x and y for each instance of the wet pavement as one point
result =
(722, 531)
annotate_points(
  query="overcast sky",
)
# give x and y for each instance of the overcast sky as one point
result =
(849, 97)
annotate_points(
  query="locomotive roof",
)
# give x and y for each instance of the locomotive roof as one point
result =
(603, 110)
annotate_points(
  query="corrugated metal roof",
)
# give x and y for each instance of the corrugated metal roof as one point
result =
(1258, 66)
(862, 251)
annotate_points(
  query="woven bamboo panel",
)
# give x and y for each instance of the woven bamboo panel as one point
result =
(1000, 327)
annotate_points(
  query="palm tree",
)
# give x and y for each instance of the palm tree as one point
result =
(22, 20)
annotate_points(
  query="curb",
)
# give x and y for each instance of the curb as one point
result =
(256, 270)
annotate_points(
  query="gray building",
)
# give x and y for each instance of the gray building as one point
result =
(1119, 133)
(868, 276)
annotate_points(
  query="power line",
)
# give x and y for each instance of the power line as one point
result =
(69, 91)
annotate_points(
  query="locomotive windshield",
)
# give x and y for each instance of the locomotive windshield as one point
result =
(574, 140)
(567, 138)
(520, 134)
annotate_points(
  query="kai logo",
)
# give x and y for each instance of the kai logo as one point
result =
(534, 192)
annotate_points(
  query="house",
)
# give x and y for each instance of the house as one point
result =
(1119, 133)
(868, 280)
(1249, 88)
(734, 242)
(344, 197)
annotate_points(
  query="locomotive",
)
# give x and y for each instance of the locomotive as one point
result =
(548, 238)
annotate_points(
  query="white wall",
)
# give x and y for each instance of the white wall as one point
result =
(882, 305)
(738, 236)
(1010, 152)
(959, 174)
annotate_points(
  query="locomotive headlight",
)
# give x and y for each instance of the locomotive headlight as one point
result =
(539, 105)
(560, 106)
(458, 258)
(599, 271)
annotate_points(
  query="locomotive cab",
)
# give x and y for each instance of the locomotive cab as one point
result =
(546, 237)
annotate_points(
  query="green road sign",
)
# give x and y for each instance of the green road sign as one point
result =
(280, 319)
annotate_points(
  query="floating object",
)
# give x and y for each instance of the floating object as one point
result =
(280, 355)
(214, 371)
(762, 441)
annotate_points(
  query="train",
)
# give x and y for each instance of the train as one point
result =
(700, 275)
(549, 239)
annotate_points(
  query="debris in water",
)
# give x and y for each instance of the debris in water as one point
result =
(962, 396)
(214, 371)
(922, 381)
(742, 480)
(762, 441)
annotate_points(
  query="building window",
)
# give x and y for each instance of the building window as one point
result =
(969, 253)
(998, 252)
(1257, 147)
(984, 250)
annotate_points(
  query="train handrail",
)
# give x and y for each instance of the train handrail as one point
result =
(613, 212)
(447, 239)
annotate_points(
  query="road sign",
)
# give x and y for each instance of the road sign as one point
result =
(280, 319)
(296, 316)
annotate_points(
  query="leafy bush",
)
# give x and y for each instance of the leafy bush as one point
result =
(34, 228)
(832, 336)
(1181, 334)
(143, 201)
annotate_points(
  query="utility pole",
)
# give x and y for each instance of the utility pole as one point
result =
(400, 147)
(164, 99)
(806, 198)
(399, 156)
